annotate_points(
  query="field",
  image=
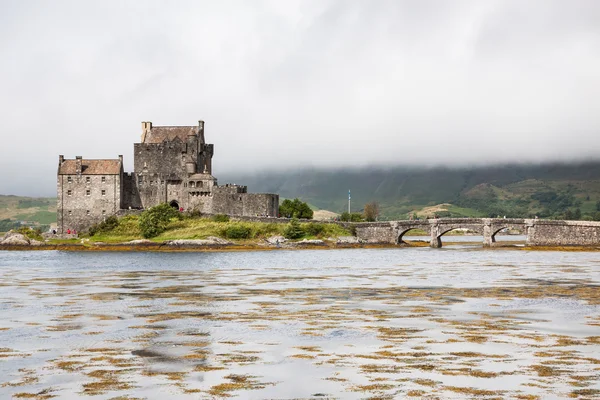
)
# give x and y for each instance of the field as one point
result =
(31, 211)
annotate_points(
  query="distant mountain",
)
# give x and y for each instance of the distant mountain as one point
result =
(570, 191)
(547, 190)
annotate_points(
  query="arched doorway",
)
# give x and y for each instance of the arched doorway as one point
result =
(174, 204)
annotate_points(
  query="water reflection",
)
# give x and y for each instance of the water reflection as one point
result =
(352, 323)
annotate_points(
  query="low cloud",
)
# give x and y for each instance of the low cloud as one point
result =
(299, 83)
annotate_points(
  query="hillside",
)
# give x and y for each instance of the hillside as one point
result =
(547, 190)
(569, 191)
(32, 211)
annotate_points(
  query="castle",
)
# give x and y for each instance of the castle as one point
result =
(172, 164)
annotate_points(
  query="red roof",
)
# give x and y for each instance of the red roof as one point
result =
(91, 167)
(159, 134)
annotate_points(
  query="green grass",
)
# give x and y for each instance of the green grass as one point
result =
(201, 228)
(41, 217)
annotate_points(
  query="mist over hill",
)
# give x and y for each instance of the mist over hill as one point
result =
(518, 190)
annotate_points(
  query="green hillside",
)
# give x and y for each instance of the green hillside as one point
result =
(570, 191)
(547, 190)
(30, 211)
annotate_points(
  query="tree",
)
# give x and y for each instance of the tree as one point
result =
(371, 211)
(293, 230)
(351, 217)
(295, 209)
(154, 221)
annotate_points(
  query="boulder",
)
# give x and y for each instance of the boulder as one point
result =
(347, 240)
(209, 241)
(276, 240)
(140, 241)
(12, 238)
(311, 242)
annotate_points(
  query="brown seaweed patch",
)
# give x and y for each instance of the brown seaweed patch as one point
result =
(589, 393)
(237, 382)
(544, 370)
(106, 380)
(41, 395)
(473, 391)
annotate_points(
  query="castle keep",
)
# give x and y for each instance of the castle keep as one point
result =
(172, 164)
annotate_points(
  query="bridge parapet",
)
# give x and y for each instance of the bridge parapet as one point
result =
(539, 232)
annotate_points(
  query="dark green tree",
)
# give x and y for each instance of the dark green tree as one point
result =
(154, 221)
(295, 209)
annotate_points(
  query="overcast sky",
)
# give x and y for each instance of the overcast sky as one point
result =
(283, 84)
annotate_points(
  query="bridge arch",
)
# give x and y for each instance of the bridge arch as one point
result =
(497, 228)
(442, 229)
(404, 230)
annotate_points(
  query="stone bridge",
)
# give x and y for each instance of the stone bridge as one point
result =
(538, 232)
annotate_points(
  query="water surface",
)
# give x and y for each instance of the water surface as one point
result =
(396, 323)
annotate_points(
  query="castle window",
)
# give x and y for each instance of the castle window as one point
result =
(103, 179)
(200, 184)
(140, 179)
(88, 212)
(103, 212)
(88, 179)
(103, 192)
(192, 184)
(69, 192)
(70, 212)
(88, 192)
(69, 179)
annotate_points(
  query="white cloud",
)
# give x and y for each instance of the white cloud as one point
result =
(295, 83)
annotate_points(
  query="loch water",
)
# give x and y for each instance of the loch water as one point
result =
(451, 323)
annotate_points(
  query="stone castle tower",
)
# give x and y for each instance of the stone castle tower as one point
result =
(172, 164)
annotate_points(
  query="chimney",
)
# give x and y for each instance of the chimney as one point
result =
(146, 127)
(121, 159)
(78, 160)
(61, 159)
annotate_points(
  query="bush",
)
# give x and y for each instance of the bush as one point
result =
(295, 209)
(237, 232)
(314, 229)
(195, 213)
(293, 230)
(35, 234)
(105, 226)
(220, 218)
(351, 217)
(154, 221)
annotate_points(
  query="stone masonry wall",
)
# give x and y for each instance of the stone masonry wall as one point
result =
(86, 200)
(564, 233)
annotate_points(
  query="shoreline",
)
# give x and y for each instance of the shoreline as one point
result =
(238, 247)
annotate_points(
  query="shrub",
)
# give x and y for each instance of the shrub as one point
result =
(237, 232)
(154, 221)
(351, 217)
(314, 229)
(295, 209)
(35, 234)
(105, 226)
(293, 230)
(195, 213)
(220, 218)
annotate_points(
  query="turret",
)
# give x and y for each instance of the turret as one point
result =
(201, 131)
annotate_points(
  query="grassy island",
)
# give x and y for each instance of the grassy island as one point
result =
(162, 223)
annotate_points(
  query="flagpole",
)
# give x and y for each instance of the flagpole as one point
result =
(349, 201)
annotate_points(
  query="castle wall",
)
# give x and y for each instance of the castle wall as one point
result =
(131, 195)
(86, 200)
(260, 204)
